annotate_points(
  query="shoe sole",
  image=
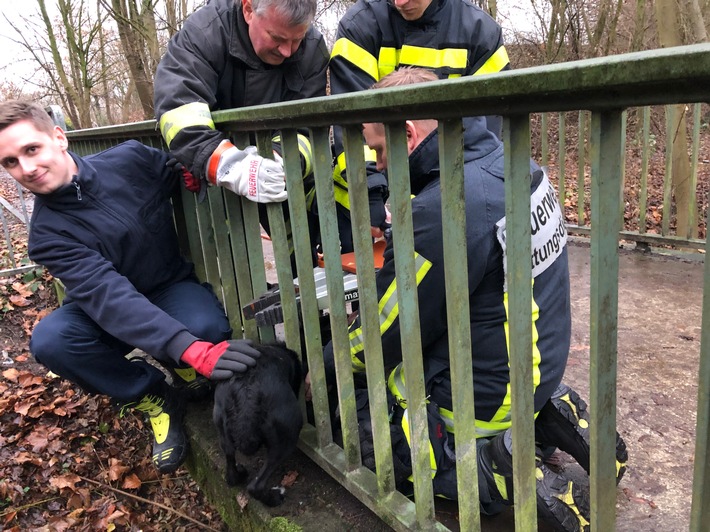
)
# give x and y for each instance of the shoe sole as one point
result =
(561, 502)
(571, 409)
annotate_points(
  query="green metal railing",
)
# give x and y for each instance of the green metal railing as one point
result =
(638, 193)
(223, 238)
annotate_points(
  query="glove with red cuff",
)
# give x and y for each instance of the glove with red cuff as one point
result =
(221, 361)
(192, 183)
(247, 173)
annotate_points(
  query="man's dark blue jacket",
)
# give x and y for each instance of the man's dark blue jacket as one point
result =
(109, 236)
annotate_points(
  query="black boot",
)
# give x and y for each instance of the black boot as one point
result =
(561, 502)
(564, 423)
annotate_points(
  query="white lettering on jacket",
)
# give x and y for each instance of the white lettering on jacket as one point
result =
(547, 228)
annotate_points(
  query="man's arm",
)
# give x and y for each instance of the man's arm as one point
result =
(185, 92)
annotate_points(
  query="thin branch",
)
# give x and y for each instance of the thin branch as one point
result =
(148, 501)
(26, 506)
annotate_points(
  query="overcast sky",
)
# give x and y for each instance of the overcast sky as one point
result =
(16, 62)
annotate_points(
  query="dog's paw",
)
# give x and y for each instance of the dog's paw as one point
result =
(236, 476)
(272, 497)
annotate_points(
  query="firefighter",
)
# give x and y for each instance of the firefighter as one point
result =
(562, 416)
(453, 38)
(103, 225)
(231, 54)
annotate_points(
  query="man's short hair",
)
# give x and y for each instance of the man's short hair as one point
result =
(406, 76)
(298, 12)
(13, 111)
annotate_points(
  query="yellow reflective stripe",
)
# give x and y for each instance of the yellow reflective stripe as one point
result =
(501, 485)
(369, 154)
(495, 63)
(310, 196)
(356, 55)
(341, 186)
(191, 114)
(433, 58)
(388, 310)
(387, 61)
(397, 386)
(503, 414)
(338, 171)
(432, 458)
(304, 148)
(341, 197)
(456, 58)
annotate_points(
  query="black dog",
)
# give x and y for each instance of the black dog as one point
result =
(260, 407)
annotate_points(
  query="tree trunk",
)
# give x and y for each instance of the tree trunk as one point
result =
(639, 26)
(75, 84)
(556, 34)
(699, 32)
(611, 32)
(669, 34)
(135, 40)
(104, 78)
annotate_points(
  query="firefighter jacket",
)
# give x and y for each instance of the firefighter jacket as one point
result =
(453, 38)
(109, 236)
(488, 299)
(210, 64)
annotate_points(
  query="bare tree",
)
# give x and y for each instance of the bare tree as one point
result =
(64, 50)
(697, 31)
(669, 34)
(138, 32)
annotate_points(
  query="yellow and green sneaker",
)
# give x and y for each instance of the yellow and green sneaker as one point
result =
(195, 386)
(165, 411)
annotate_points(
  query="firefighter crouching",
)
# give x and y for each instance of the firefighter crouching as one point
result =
(562, 419)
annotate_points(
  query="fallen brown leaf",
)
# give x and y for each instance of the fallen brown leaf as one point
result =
(20, 301)
(289, 479)
(131, 482)
(65, 481)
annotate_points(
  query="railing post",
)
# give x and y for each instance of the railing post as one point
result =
(338, 313)
(453, 215)
(605, 149)
(369, 319)
(519, 278)
(408, 303)
(700, 509)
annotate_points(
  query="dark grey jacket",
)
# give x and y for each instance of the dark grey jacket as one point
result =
(211, 61)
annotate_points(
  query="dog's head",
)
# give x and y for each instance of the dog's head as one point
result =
(290, 361)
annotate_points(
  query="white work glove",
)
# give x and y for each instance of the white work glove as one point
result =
(247, 173)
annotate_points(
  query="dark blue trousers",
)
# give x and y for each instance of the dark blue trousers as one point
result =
(74, 347)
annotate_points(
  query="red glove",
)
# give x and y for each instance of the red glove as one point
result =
(221, 361)
(192, 183)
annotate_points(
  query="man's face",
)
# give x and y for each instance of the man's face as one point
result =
(37, 160)
(411, 9)
(375, 139)
(274, 39)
